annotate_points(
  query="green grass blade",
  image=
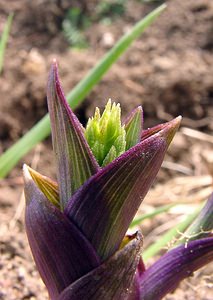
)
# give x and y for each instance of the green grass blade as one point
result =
(152, 214)
(170, 236)
(4, 39)
(201, 227)
(42, 129)
(93, 77)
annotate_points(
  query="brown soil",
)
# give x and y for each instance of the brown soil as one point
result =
(168, 70)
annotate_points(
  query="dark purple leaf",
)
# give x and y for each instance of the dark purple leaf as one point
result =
(165, 275)
(74, 159)
(105, 205)
(61, 252)
(111, 280)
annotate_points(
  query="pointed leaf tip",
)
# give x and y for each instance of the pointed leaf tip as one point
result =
(74, 159)
(170, 128)
(30, 187)
(166, 130)
(48, 187)
(26, 174)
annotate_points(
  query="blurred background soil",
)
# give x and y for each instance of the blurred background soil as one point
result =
(168, 70)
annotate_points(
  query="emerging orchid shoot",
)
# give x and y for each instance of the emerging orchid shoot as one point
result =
(77, 226)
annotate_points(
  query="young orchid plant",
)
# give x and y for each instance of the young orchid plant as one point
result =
(77, 226)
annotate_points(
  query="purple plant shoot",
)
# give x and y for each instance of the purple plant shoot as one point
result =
(77, 226)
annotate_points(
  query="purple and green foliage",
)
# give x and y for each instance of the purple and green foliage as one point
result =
(77, 227)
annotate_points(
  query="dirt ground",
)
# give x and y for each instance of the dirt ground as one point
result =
(168, 70)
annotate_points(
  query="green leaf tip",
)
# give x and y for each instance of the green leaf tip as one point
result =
(133, 127)
(105, 134)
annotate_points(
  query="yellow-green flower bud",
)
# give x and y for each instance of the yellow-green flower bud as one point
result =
(105, 134)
